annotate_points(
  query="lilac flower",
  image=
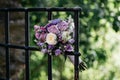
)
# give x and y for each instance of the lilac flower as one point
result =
(55, 21)
(69, 48)
(50, 46)
(44, 51)
(63, 25)
(71, 41)
(40, 44)
(59, 37)
(57, 52)
(53, 29)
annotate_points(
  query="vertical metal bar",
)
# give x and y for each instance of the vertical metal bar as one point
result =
(76, 66)
(49, 56)
(6, 42)
(27, 73)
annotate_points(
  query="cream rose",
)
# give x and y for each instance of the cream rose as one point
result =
(51, 39)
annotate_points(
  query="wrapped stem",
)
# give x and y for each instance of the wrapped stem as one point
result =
(82, 65)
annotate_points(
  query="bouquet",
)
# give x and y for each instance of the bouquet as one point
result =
(56, 38)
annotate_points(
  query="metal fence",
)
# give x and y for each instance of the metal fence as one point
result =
(28, 48)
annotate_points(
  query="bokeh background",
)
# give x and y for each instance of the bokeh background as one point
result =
(99, 40)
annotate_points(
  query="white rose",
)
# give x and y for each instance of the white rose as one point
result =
(66, 36)
(51, 38)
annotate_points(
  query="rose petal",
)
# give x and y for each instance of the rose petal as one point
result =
(36, 27)
(42, 37)
(37, 35)
(63, 25)
(53, 29)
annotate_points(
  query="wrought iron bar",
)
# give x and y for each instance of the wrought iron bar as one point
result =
(49, 55)
(7, 42)
(27, 72)
(41, 9)
(76, 66)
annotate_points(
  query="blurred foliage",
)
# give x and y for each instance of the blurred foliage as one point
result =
(99, 39)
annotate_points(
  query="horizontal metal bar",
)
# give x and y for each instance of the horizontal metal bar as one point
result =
(42, 9)
(30, 48)
(19, 47)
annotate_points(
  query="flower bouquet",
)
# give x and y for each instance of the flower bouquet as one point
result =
(57, 37)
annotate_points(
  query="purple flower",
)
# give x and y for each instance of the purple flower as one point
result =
(55, 21)
(42, 37)
(36, 27)
(44, 51)
(71, 41)
(53, 29)
(37, 35)
(48, 25)
(63, 25)
(40, 44)
(69, 48)
(50, 46)
(42, 29)
(59, 37)
(57, 52)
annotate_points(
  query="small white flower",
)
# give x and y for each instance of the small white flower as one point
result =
(71, 27)
(66, 36)
(51, 39)
(71, 24)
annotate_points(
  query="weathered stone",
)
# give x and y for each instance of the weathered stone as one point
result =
(16, 37)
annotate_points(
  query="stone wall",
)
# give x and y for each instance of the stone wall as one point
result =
(16, 36)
